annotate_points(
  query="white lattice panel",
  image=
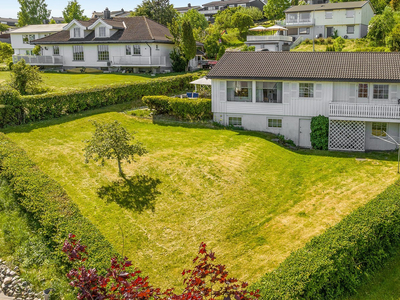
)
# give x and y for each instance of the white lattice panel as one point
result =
(346, 135)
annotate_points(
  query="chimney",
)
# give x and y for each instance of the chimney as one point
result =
(106, 14)
(122, 10)
(189, 5)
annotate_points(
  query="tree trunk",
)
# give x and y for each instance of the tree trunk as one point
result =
(120, 169)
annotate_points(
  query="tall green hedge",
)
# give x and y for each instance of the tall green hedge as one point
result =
(49, 205)
(319, 135)
(53, 105)
(338, 261)
(183, 108)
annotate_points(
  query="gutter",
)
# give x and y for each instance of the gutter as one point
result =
(307, 79)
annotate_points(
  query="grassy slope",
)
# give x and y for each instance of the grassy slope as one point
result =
(77, 81)
(251, 200)
(350, 45)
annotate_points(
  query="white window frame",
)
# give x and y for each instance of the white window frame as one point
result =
(306, 90)
(56, 52)
(379, 128)
(77, 32)
(274, 123)
(136, 50)
(103, 54)
(240, 88)
(348, 27)
(380, 91)
(350, 13)
(102, 31)
(307, 30)
(329, 14)
(78, 53)
(128, 50)
(363, 88)
(235, 121)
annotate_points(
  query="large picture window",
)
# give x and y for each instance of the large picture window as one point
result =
(136, 49)
(77, 53)
(379, 129)
(363, 90)
(102, 53)
(292, 18)
(239, 91)
(269, 92)
(304, 30)
(306, 90)
(27, 38)
(381, 91)
(305, 17)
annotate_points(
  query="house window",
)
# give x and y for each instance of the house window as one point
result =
(381, 91)
(157, 47)
(128, 50)
(102, 31)
(102, 52)
(275, 123)
(77, 32)
(329, 14)
(136, 49)
(379, 129)
(363, 90)
(292, 31)
(239, 91)
(305, 17)
(350, 13)
(304, 30)
(306, 90)
(269, 92)
(235, 121)
(292, 18)
(77, 53)
(56, 50)
(350, 29)
(27, 38)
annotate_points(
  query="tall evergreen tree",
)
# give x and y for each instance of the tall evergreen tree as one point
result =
(32, 12)
(73, 11)
(160, 11)
(188, 43)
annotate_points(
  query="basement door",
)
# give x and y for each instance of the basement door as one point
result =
(304, 133)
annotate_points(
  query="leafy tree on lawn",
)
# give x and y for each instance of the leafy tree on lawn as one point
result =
(24, 77)
(160, 11)
(3, 27)
(242, 23)
(178, 61)
(6, 51)
(73, 11)
(112, 141)
(274, 9)
(393, 40)
(380, 26)
(211, 45)
(254, 12)
(32, 12)
(223, 19)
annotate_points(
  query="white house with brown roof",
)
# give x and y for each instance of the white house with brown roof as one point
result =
(349, 19)
(210, 9)
(280, 92)
(135, 43)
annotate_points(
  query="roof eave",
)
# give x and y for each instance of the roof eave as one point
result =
(306, 79)
(102, 42)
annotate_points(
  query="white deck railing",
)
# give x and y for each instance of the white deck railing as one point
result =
(39, 60)
(283, 38)
(139, 61)
(297, 22)
(388, 111)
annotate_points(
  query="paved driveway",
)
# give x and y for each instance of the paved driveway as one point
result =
(2, 297)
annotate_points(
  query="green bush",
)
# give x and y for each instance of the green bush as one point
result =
(54, 105)
(338, 261)
(185, 109)
(319, 132)
(9, 96)
(49, 206)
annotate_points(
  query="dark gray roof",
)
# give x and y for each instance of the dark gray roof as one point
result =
(309, 66)
(138, 29)
(327, 6)
(226, 2)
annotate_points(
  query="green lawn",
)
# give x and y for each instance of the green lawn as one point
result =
(81, 81)
(249, 199)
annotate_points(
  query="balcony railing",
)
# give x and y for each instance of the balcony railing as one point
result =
(298, 22)
(388, 111)
(261, 38)
(139, 61)
(50, 60)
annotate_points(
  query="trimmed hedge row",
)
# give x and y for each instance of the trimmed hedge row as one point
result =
(53, 105)
(49, 205)
(319, 135)
(338, 261)
(183, 108)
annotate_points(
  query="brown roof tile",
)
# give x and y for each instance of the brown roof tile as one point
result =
(318, 66)
(138, 29)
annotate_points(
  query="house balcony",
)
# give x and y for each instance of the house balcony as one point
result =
(46, 60)
(366, 111)
(266, 38)
(297, 22)
(139, 61)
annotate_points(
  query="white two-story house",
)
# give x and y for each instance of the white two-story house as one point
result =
(349, 19)
(279, 92)
(21, 37)
(135, 44)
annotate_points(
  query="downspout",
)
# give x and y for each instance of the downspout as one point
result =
(150, 53)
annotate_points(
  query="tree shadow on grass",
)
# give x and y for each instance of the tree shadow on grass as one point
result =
(137, 193)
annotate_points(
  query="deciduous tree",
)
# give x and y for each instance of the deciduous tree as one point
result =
(3, 27)
(24, 77)
(197, 20)
(393, 40)
(242, 23)
(160, 11)
(274, 9)
(112, 141)
(73, 11)
(32, 12)
(6, 51)
(380, 26)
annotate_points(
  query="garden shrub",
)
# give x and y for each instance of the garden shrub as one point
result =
(183, 108)
(48, 205)
(338, 261)
(319, 132)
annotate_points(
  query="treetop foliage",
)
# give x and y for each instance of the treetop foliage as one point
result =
(32, 12)
(73, 11)
(25, 77)
(160, 11)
